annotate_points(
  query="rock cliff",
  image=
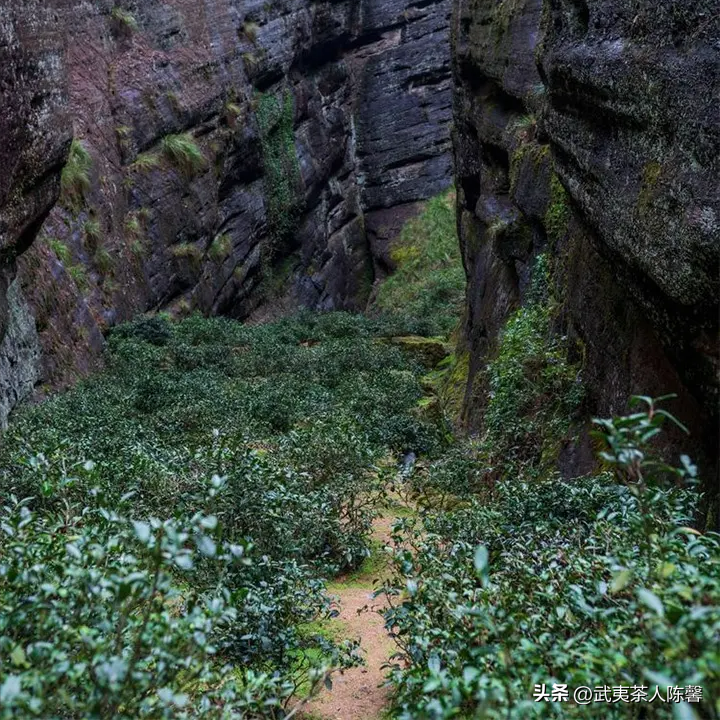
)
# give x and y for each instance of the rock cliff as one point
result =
(230, 157)
(590, 132)
(34, 137)
(237, 157)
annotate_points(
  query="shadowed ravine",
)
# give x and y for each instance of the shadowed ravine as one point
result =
(359, 360)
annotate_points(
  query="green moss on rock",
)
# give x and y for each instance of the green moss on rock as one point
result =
(652, 172)
(429, 352)
(557, 215)
(534, 391)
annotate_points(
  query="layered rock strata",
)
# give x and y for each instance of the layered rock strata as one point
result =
(590, 132)
(234, 158)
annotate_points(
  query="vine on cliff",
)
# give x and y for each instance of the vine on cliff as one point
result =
(534, 389)
(275, 116)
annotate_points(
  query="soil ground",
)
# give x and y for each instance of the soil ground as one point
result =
(359, 693)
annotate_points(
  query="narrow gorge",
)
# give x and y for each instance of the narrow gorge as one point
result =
(359, 359)
(226, 157)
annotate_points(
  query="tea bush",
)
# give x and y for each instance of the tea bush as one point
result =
(177, 397)
(595, 582)
(103, 615)
(109, 611)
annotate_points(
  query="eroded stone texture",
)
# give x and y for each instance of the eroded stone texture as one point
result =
(19, 353)
(34, 136)
(592, 131)
(370, 85)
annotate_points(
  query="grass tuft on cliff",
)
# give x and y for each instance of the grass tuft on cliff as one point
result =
(183, 152)
(428, 287)
(220, 247)
(124, 19)
(75, 178)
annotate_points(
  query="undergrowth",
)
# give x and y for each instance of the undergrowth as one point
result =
(168, 524)
(533, 390)
(597, 582)
(427, 289)
(513, 579)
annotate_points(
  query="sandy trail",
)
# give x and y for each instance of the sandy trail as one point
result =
(359, 693)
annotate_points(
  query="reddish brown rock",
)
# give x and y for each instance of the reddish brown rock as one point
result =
(370, 89)
(34, 138)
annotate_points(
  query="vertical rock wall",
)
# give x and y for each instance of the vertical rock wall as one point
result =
(591, 131)
(317, 126)
(34, 136)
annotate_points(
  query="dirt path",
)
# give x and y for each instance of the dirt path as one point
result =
(359, 694)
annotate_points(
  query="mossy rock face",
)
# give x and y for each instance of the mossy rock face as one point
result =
(453, 386)
(595, 127)
(636, 122)
(530, 177)
(429, 352)
(430, 409)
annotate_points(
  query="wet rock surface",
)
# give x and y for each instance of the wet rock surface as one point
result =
(590, 131)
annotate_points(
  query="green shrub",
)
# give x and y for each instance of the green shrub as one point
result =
(105, 615)
(153, 329)
(295, 416)
(589, 583)
(557, 216)
(534, 391)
